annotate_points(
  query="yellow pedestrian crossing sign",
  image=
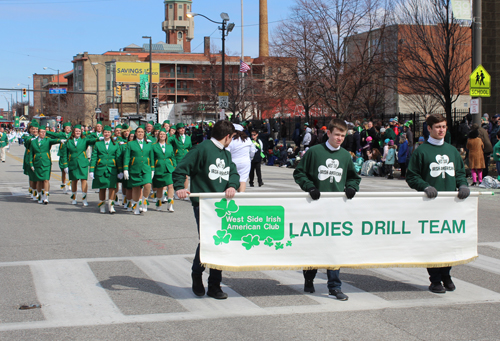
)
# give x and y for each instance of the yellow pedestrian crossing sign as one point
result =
(480, 83)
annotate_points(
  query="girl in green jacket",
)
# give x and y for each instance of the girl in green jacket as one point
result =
(105, 169)
(138, 169)
(33, 133)
(182, 144)
(41, 163)
(76, 162)
(164, 167)
(65, 134)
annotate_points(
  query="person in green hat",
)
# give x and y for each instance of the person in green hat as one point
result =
(33, 134)
(65, 134)
(118, 133)
(182, 144)
(41, 163)
(127, 190)
(172, 131)
(166, 126)
(4, 143)
(164, 167)
(149, 128)
(105, 169)
(138, 169)
(97, 134)
(76, 162)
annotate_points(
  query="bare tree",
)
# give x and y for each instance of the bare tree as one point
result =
(297, 74)
(349, 61)
(434, 52)
(424, 104)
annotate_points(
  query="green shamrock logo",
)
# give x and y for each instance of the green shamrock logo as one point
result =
(278, 245)
(222, 237)
(250, 241)
(289, 243)
(292, 236)
(269, 241)
(224, 207)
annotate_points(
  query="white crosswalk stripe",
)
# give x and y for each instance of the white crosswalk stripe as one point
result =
(71, 295)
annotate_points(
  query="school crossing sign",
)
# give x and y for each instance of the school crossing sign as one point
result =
(480, 83)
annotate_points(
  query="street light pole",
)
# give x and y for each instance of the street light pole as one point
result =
(150, 76)
(477, 49)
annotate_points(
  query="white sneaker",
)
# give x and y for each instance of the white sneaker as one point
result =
(135, 207)
(73, 197)
(102, 208)
(111, 207)
(170, 207)
(158, 205)
(34, 196)
(129, 206)
(45, 198)
(144, 205)
(85, 203)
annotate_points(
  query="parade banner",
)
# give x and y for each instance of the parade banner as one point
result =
(291, 231)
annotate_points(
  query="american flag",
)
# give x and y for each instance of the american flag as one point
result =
(244, 67)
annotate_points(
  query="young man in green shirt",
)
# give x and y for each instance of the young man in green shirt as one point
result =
(210, 168)
(437, 166)
(328, 167)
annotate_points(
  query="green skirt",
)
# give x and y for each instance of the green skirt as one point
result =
(78, 174)
(139, 179)
(163, 180)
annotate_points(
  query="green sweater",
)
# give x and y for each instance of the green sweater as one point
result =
(437, 166)
(496, 152)
(210, 168)
(327, 170)
(4, 140)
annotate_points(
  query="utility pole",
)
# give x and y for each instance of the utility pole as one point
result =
(477, 50)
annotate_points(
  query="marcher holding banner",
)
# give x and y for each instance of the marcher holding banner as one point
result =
(437, 166)
(328, 168)
(211, 169)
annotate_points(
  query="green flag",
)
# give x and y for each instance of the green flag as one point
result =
(144, 93)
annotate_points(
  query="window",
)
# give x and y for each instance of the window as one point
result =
(180, 17)
(108, 85)
(279, 69)
(180, 6)
(179, 35)
(270, 70)
(170, 6)
(188, 7)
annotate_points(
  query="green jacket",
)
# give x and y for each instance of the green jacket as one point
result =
(106, 161)
(138, 160)
(164, 162)
(4, 140)
(39, 157)
(74, 156)
(180, 148)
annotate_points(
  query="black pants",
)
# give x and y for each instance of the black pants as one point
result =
(255, 167)
(486, 164)
(436, 275)
(215, 276)
(403, 169)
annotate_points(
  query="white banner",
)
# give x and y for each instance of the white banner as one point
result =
(291, 231)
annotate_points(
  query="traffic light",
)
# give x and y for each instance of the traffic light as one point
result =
(24, 92)
(118, 91)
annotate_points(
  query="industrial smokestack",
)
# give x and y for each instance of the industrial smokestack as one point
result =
(263, 29)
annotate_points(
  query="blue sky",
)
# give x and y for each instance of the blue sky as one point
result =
(48, 33)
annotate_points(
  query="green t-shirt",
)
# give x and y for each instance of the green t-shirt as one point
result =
(210, 169)
(327, 170)
(496, 152)
(437, 166)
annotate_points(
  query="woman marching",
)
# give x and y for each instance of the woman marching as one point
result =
(138, 165)
(242, 152)
(41, 163)
(181, 144)
(74, 154)
(164, 166)
(33, 134)
(104, 168)
(65, 134)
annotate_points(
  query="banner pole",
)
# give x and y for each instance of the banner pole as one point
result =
(334, 195)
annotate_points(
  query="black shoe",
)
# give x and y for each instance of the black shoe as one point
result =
(198, 288)
(437, 288)
(216, 292)
(309, 286)
(473, 184)
(251, 185)
(261, 184)
(448, 284)
(338, 295)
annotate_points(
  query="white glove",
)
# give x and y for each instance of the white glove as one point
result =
(91, 175)
(114, 138)
(122, 143)
(66, 170)
(34, 138)
(63, 141)
(152, 174)
(149, 140)
(33, 169)
(101, 138)
(125, 174)
(120, 176)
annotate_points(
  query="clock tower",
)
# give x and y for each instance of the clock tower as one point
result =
(177, 26)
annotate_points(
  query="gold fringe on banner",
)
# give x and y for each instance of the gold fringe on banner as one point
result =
(336, 267)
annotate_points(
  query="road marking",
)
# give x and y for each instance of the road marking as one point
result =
(71, 296)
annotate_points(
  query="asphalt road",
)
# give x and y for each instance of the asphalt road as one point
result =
(107, 277)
